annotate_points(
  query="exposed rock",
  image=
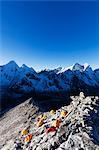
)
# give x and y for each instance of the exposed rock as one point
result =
(78, 130)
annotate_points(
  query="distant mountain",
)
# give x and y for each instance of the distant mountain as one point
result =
(17, 82)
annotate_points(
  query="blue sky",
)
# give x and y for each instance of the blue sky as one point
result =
(50, 34)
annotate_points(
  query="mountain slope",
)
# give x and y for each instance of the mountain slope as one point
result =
(14, 120)
(17, 82)
(78, 128)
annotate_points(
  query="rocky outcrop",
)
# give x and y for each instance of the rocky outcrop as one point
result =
(77, 127)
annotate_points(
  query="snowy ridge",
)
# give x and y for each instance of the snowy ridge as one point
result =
(20, 80)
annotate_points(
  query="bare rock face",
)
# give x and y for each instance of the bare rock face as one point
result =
(78, 128)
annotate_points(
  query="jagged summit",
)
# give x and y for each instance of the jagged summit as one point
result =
(24, 66)
(18, 81)
(65, 69)
(57, 70)
(11, 64)
(78, 67)
(27, 69)
(75, 67)
(86, 65)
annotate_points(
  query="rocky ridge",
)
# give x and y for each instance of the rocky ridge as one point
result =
(77, 129)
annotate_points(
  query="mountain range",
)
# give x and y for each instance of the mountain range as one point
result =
(18, 83)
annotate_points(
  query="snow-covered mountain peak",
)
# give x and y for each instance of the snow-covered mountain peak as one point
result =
(86, 65)
(27, 69)
(24, 79)
(46, 69)
(12, 64)
(88, 69)
(75, 67)
(65, 69)
(24, 66)
(78, 67)
(81, 68)
(57, 70)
